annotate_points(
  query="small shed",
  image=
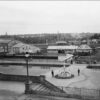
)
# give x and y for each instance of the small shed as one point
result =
(66, 57)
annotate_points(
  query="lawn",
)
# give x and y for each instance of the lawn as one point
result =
(21, 70)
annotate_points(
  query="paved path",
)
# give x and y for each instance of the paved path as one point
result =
(66, 82)
(92, 80)
(89, 78)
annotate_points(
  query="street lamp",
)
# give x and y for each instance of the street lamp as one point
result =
(90, 57)
(64, 66)
(27, 87)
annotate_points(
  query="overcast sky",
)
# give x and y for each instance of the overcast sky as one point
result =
(29, 17)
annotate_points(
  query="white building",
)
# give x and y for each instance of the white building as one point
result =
(61, 43)
(67, 57)
(62, 49)
(84, 48)
(23, 48)
(6, 45)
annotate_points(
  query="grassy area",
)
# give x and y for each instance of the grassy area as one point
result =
(21, 70)
(90, 59)
(8, 95)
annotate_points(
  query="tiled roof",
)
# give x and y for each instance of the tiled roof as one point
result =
(61, 42)
(19, 45)
(22, 44)
(84, 47)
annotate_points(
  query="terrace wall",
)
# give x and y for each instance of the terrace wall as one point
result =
(19, 78)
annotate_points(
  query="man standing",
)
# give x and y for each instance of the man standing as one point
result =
(78, 72)
(52, 73)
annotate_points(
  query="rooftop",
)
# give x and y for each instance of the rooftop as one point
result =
(84, 46)
(5, 40)
(63, 47)
(61, 42)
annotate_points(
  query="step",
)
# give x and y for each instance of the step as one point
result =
(35, 87)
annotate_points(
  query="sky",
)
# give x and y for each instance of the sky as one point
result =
(33, 17)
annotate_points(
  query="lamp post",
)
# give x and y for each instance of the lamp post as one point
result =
(64, 66)
(27, 88)
(90, 56)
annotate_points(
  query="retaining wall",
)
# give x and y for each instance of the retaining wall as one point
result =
(19, 78)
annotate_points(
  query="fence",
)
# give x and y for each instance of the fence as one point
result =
(90, 94)
(76, 93)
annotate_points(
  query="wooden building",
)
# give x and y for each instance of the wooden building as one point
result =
(62, 49)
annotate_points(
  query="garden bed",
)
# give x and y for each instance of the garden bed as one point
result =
(64, 75)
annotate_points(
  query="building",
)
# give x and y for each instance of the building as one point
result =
(74, 42)
(6, 45)
(66, 58)
(62, 49)
(84, 48)
(61, 43)
(84, 42)
(23, 48)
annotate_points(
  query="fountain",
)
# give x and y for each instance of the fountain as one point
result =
(65, 74)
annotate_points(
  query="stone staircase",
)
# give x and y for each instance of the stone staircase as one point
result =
(40, 87)
(45, 88)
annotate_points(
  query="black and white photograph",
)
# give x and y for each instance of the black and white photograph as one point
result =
(49, 50)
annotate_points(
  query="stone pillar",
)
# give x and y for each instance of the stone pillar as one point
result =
(42, 77)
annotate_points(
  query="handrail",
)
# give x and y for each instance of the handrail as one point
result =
(51, 86)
